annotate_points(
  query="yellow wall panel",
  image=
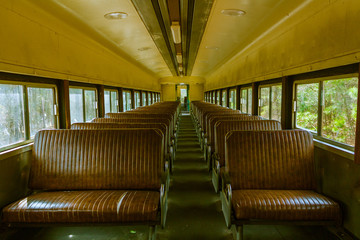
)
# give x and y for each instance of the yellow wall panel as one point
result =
(168, 92)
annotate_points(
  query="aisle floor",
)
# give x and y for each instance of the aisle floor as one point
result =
(194, 209)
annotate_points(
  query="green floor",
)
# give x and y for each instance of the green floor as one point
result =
(194, 209)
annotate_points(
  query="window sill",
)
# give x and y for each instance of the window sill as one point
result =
(334, 149)
(15, 151)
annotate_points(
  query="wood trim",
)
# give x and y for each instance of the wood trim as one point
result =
(238, 97)
(141, 98)
(287, 103)
(227, 97)
(121, 104)
(101, 100)
(64, 104)
(357, 136)
(132, 99)
(255, 97)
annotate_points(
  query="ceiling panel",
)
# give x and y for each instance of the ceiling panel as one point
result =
(129, 35)
(226, 35)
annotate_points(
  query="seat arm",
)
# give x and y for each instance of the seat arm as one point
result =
(163, 204)
(165, 177)
(226, 197)
(215, 158)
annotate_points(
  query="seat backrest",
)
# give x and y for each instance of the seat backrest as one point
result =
(97, 159)
(213, 120)
(270, 160)
(143, 115)
(136, 120)
(88, 126)
(223, 127)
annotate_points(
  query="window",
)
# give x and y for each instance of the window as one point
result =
(159, 98)
(246, 100)
(41, 109)
(144, 102)
(25, 109)
(232, 98)
(328, 109)
(83, 104)
(224, 98)
(111, 101)
(137, 99)
(270, 102)
(153, 98)
(218, 97)
(127, 100)
(149, 98)
(213, 97)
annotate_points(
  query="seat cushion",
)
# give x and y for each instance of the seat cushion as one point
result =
(283, 205)
(84, 207)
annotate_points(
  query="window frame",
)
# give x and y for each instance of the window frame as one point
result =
(233, 89)
(318, 134)
(26, 110)
(83, 99)
(270, 85)
(124, 91)
(110, 100)
(248, 111)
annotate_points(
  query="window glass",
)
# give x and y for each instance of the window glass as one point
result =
(127, 100)
(76, 105)
(339, 110)
(149, 99)
(114, 101)
(249, 101)
(107, 101)
(137, 99)
(307, 106)
(244, 100)
(212, 97)
(12, 124)
(41, 109)
(224, 98)
(144, 99)
(90, 105)
(232, 100)
(153, 98)
(218, 97)
(276, 102)
(264, 102)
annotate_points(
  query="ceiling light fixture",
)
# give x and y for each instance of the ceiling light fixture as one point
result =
(179, 58)
(144, 49)
(176, 32)
(212, 47)
(116, 15)
(233, 12)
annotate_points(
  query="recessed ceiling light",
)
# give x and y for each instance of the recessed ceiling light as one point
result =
(116, 15)
(144, 49)
(233, 12)
(212, 47)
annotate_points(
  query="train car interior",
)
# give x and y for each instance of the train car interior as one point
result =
(179, 119)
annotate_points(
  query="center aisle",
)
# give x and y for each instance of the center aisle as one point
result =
(194, 207)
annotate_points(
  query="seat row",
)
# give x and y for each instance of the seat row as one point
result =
(266, 175)
(110, 171)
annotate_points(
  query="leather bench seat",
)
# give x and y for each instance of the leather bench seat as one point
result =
(101, 206)
(283, 205)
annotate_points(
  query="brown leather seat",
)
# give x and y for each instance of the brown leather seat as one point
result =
(85, 207)
(168, 151)
(225, 126)
(270, 176)
(112, 175)
(289, 205)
